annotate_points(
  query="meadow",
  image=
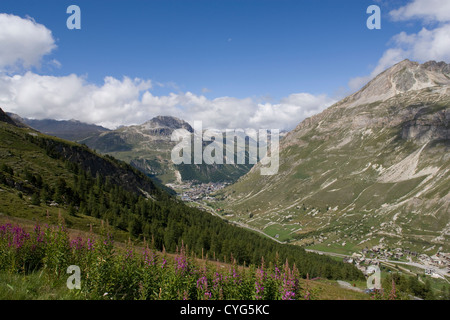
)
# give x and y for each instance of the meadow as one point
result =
(108, 271)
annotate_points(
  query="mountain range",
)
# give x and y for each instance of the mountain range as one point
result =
(72, 130)
(373, 169)
(48, 180)
(146, 146)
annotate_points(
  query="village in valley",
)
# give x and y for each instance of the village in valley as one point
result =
(435, 266)
(194, 191)
(400, 259)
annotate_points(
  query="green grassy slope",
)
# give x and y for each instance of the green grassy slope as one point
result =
(356, 176)
(41, 174)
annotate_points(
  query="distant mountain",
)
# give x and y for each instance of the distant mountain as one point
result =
(4, 117)
(72, 130)
(148, 147)
(373, 168)
(164, 126)
(45, 179)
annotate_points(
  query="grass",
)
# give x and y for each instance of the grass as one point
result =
(37, 286)
(330, 290)
(283, 232)
(33, 286)
(123, 271)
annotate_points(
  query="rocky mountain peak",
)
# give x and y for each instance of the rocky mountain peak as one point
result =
(164, 125)
(403, 77)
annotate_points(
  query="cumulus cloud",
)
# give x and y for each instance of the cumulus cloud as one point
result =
(290, 111)
(72, 97)
(430, 43)
(23, 42)
(130, 101)
(430, 10)
(433, 44)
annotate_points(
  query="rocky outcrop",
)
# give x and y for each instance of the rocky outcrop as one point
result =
(164, 125)
(401, 78)
(427, 126)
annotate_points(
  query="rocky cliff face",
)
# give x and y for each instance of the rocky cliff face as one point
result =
(376, 162)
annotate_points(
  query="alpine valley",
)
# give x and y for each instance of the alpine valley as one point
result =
(366, 179)
(146, 147)
(373, 170)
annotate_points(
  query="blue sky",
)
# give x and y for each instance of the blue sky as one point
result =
(261, 50)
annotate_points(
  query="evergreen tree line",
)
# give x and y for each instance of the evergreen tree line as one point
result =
(168, 222)
(406, 286)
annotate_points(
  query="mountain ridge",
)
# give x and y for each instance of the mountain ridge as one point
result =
(370, 161)
(43, 178)
(148, 147)
(72, 130)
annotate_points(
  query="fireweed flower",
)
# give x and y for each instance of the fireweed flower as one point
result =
(129, 254)
(289, 283)
(149, 257)
(77, 244)
(217, 280)
(40, 235)
(259, 283)
(19, 237)
(202, 283)
(288, 295)
(109, 241)
(277, 274)
(182, 265)
(202, 286)
(90, 244)
(288, 288)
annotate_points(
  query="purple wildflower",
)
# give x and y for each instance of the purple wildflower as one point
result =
(149, 257)
(76, 244)
(90, 244)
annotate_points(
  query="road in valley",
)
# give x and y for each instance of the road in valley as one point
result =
(440, 272)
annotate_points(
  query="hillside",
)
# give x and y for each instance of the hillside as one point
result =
(45, 176)
(72, 130)
(148, 147)
(371, 169)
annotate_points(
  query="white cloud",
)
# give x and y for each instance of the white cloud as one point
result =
(428, 44)
(72, 97)
(127, 101)
(23, 42)
(290, 111)
(229, 112)
(429, 10)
